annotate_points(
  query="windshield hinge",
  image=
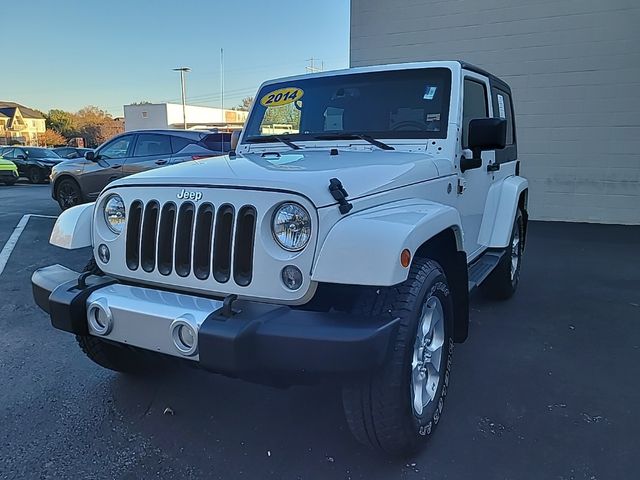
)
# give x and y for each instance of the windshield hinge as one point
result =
(340, 195)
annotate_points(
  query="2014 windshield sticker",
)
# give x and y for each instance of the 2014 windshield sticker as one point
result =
(282, 96)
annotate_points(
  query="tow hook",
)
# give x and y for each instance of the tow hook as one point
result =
(227, 306)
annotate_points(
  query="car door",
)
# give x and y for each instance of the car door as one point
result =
(152, 150)
(474, 184)
(107, 165)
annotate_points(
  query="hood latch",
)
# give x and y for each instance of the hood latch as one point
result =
(340, 195)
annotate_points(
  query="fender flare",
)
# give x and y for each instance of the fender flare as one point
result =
(73, 227)
(364, 248)
(500, 211)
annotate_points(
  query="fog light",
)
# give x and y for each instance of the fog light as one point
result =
(292, 277)
(184, 336)
(99, 317)
(103, 253)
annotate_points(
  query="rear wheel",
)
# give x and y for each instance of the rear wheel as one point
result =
(35, 175)
(68, 193)
(502, 283)
(398, 407)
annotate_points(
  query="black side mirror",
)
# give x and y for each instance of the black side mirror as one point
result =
(90, 156)
(484, 134)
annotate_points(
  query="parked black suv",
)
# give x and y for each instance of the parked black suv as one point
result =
(82, 179)
(34, 163)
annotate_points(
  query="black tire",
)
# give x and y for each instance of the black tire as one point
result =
(502, 283)
(68, 193)
(116, 357)
(35, 175)
(10, 182)
(378, 407)
(119, 358)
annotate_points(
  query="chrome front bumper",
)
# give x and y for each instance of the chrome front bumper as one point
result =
(245, 339)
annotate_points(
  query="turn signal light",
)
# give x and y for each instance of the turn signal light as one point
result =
(405, 258)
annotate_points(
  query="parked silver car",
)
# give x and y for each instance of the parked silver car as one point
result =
(80, 180)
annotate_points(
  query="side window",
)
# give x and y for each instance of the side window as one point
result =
(152, 144)
(502, 109)
(178, 143)
(219, 142)
(118, 148)
(474, 106)
(7, 153)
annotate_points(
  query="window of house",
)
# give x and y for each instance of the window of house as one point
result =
(145, 114)
(474, 106)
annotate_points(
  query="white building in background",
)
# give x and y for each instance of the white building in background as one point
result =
(169, 115)
(574, 69)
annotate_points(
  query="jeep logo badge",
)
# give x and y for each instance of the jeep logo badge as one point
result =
(187, 195)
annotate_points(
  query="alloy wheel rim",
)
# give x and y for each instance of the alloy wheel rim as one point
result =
(68, 196)
(427, 355)
(515, 253)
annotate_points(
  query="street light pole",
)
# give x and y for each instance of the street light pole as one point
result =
(182, 71)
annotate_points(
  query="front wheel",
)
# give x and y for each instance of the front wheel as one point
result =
(68, 193)
(35, 175)
(120, 358)
(398, 407)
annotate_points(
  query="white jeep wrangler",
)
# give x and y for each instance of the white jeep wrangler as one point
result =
(340, 240)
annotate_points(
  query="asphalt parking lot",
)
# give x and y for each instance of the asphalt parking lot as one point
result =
(547, 386)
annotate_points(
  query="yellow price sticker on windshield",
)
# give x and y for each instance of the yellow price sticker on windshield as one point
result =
(282, 96)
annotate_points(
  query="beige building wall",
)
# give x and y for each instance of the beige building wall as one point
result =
(574, 67)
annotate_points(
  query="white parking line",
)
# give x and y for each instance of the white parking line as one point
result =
(13, 239)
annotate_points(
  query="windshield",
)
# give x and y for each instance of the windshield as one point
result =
(395, 104)
(42, 153)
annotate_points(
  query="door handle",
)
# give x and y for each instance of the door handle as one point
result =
(161, 162)
(116, 166)
(493, 167)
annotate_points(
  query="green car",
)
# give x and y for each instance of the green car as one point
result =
(8, 172)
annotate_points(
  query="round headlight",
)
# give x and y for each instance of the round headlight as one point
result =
(291, 226)
(114, 213)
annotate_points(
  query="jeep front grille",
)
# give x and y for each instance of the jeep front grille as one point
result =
(192, 240)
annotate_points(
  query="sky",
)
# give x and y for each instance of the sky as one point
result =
(67, 54)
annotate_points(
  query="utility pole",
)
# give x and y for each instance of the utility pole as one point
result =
(222, 82)
(182, 71)
(311, 68)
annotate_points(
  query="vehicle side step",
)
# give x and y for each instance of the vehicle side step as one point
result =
(482, 267)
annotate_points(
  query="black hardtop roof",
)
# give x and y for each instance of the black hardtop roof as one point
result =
(481, 71)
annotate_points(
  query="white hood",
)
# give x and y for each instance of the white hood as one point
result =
(302, 171)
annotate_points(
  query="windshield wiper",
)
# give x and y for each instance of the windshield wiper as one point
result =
(354, 136)
(271, 138)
